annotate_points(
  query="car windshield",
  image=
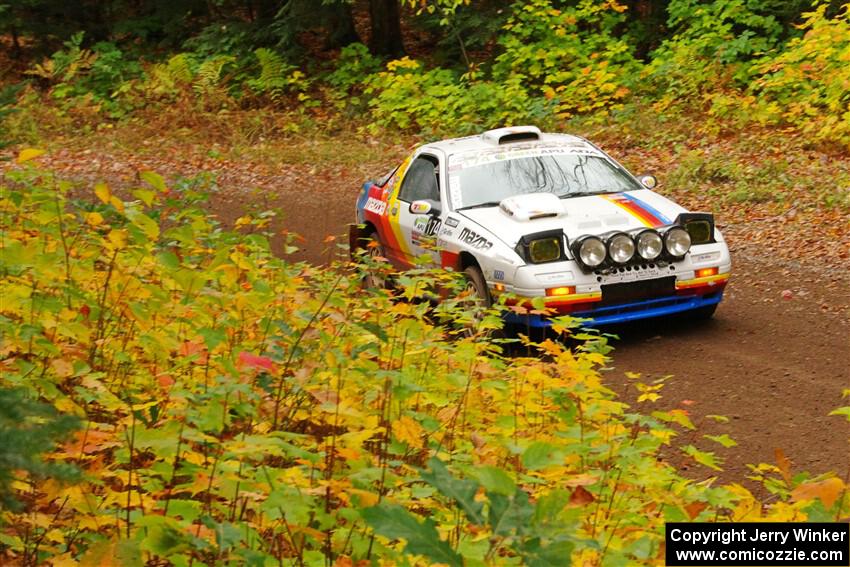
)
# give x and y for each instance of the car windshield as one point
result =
(566, 174)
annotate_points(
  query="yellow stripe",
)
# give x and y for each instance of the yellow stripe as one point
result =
(643, 221)
(574, 298)
(702, 281)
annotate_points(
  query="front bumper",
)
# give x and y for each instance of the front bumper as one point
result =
(625, 312)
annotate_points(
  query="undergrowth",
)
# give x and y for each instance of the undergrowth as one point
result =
(238, 408)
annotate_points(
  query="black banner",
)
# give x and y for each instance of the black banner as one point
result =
(753, 543)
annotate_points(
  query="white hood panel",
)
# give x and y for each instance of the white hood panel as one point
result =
(577, 216)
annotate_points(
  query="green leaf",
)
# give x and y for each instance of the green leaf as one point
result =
(145, 196)
(509, 514)
(705, 458)
(495, 480)
(393, 521)
(144, 223)
(155, 180)
(724, 440)
(461, 491)
(555, 554)
(540, 455)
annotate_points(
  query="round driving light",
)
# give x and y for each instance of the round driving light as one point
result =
(592, 252)
(649, 245)
(621, 247)
(677, 241)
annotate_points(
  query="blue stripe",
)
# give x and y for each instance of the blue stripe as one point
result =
(649, 208)
(625, 312)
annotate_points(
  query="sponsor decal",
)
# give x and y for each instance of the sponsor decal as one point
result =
(445, 231)
(498, 275)
(474, 239)
(375, 206)
(452, 222)
(428, 226)
(484, 158)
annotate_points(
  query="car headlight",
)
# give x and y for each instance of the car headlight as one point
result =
(700, 226)
(542, 247)
(649, 245)
(621, 247)
(677, 241)
(592, 251)
(544, 250)
(699, 231)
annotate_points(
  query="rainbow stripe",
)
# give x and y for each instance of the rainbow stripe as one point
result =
(645, 213)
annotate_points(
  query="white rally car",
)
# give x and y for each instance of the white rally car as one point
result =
(546, 215)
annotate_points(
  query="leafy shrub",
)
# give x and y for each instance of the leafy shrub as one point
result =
(8, 98)
(574, 56)
(76, 72)
(806, 83)
(29, 428)
(242, 408)
(353, 68)
(713, 47)
(407, 96)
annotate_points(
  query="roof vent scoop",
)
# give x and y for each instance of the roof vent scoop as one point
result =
(503, 136)
(531, 206)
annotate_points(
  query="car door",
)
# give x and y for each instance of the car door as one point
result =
(418, 230)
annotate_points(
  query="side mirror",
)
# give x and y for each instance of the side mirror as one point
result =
(425, 207)
(648, 181)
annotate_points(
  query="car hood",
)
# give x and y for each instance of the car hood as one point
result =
(577, 216)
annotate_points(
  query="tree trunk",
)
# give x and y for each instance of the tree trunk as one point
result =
(386, 28)
(341, 31)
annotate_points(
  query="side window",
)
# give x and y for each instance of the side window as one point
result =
(421, 181)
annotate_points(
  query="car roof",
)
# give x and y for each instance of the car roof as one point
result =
(501, 139)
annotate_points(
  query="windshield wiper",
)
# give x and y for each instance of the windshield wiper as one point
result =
(480, 205)
(586, 194)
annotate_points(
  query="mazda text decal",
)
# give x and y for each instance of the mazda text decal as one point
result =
(475, 240)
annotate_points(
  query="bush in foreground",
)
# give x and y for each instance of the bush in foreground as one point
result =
(241, 409)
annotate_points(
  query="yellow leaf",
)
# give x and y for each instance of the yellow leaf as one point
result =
(62, 367)
(64, 560)
(117, 238)
(117, 203)
(826, 490)
(103, 193)
(94, 219)
(409, 431)
(28, 154)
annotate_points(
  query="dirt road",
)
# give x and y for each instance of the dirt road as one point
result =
(774, 360)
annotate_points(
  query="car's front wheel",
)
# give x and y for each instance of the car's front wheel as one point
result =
(374, 276)
(475, 298)
(476, 287)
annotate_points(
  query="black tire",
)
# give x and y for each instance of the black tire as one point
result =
(476, 284)
(476, 297)
(372, 278)
(703, 313)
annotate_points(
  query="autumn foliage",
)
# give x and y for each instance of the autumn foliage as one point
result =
(237, 408)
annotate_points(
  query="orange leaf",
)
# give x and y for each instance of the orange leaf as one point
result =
(254, 361)
(409, 431)
(694, 508)
(784, 464)
(826, 490)
(581, 497)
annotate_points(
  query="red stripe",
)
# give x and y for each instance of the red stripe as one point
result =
(634, 208)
